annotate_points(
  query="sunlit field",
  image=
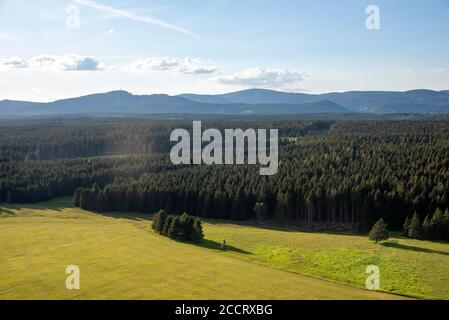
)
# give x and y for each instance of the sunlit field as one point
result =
(121, 258)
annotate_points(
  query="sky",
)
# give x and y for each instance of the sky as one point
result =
(54, 49)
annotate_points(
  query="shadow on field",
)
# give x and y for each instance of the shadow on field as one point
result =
(210, 244)
(413, 248)
(55, 205)
(346, 230)
(5, 210)
(126, 215)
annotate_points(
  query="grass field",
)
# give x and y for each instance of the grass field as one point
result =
(120, 258)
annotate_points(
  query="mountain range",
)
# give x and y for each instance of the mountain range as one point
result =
(250, 102)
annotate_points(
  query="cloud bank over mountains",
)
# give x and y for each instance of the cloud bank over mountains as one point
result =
(252, 77)
(182, 65)
(263, 78)
(67, 62)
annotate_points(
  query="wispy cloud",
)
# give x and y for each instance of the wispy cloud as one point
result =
(135, 17)
(263, 78)
(182, 65)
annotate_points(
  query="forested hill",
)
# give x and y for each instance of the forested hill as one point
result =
(124, 103)
(414, 101)
(343, 172)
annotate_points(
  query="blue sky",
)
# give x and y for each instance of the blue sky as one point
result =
(215, 46)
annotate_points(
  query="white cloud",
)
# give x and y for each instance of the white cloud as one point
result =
(134, 17)
(263, 78)
(79, 63)
(68, 62)
(181, 65)
(14, 62)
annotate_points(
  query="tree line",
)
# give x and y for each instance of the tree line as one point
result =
(434, 227)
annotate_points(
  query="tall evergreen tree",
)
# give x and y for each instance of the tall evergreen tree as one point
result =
(197, 234)
(379, 232)
(426, 231)
(159, 220)
(406, 227)
(415, 228)
(437, 225)
(168, 223)
(174, 231)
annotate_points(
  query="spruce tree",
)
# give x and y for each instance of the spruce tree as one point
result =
(406, 227)
(155, 221)
(167, 225)
(415, 229)
(186, 226)
(426, 231)
(76, 197)
(174, 230)
(379, 232)
(197, 234)
(159, 221)
(437, 225)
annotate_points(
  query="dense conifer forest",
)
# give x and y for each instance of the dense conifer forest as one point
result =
(350, 172)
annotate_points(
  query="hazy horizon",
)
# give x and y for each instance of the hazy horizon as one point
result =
(220, 93)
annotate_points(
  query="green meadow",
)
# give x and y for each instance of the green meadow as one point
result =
(121, 258)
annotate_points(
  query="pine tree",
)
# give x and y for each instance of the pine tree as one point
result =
(76, 197)
(174, 231)
(186, 226)
(379, 232)
(415, 229)
(167, 225)
(197, 234)
(437, 225)
(159, 221)
(426, 231)
(406, 227)
(84, 201)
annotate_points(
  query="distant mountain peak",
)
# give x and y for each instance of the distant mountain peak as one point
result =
(119, 93)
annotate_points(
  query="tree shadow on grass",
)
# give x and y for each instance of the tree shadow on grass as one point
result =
(126, 215)
(57, 204)
(213, 245)
(396, 245)
(210, 244)
(5, 210)
(294, 227)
